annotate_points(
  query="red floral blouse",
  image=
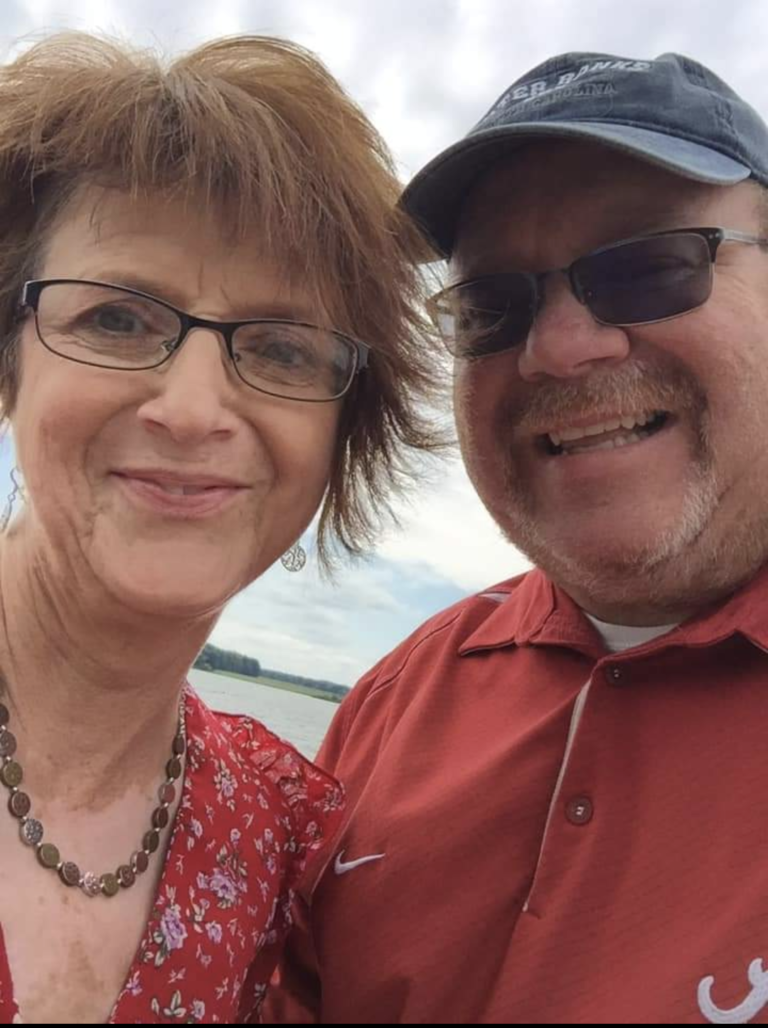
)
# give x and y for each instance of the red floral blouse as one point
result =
(253, 812)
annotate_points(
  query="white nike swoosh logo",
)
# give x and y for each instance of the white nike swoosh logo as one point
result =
(341, 866)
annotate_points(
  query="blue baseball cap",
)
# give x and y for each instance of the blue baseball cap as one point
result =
(672, 112)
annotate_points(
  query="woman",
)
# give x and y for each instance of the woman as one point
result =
(210, 319)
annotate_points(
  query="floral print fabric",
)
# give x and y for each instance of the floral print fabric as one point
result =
(253, 812)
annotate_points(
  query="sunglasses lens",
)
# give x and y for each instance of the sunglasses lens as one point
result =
(646, 280)
(487, 315)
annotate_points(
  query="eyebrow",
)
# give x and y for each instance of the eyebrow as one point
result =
(280, 311)
(650, 217)
(488, 261)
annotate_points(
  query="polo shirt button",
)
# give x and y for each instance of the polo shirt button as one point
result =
(614, 674)
(579, 810)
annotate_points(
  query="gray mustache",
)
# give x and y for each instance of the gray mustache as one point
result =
(632, 388)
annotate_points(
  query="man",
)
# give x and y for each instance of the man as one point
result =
(558, 789)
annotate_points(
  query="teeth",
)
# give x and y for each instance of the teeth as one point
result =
(569, 434)
(607, 426)
(628, 422)
(609, 444)
(180, 490)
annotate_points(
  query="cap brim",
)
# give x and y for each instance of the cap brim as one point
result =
(435, 194)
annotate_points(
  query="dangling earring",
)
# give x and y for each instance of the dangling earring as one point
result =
(295, 558)
(18, 490)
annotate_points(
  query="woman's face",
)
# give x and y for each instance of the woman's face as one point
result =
(116, 462)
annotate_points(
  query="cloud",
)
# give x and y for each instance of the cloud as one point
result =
(299, 623)
(426, 70)
(445, 531)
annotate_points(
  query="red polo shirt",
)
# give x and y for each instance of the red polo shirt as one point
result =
(555, 834)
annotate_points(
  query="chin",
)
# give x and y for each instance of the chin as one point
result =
(670, 574)
(173, 600)
(593, 547)
(171, 577)
(163, 590)
(597, 560)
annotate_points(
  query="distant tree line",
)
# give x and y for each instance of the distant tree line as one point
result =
(212, 658)
(334, 688)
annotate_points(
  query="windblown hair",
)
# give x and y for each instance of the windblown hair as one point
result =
(258, 129)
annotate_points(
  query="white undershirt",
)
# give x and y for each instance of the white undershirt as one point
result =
(624, 637)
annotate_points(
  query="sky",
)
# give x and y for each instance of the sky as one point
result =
(424, 71)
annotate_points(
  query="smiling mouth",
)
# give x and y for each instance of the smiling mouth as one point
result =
(174, 497)
(173, 484)
(173, 489)
(612, 434)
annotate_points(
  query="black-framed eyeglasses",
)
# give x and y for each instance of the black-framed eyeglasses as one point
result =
(110, 326)
(633, 282)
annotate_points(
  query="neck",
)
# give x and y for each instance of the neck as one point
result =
(93, 688)
(633, 615)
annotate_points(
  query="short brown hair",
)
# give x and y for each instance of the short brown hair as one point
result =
(260, 128)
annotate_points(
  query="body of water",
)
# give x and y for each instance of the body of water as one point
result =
(301, 720)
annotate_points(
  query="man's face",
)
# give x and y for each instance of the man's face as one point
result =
(668, 510)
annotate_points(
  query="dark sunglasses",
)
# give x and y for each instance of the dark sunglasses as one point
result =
(632, 282)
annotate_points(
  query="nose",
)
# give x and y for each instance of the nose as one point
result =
(565, 341)
(194, 392)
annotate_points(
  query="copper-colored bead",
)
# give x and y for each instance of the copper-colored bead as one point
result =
(173, 768)
(69, 873)
(109, 885)
(167, 794)
(179, 745)
(126, 876)
(19, 804)
(151, 841)
(140, 862)
(49, 856)
(160, 818)
(7, 743)
(12, 774)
